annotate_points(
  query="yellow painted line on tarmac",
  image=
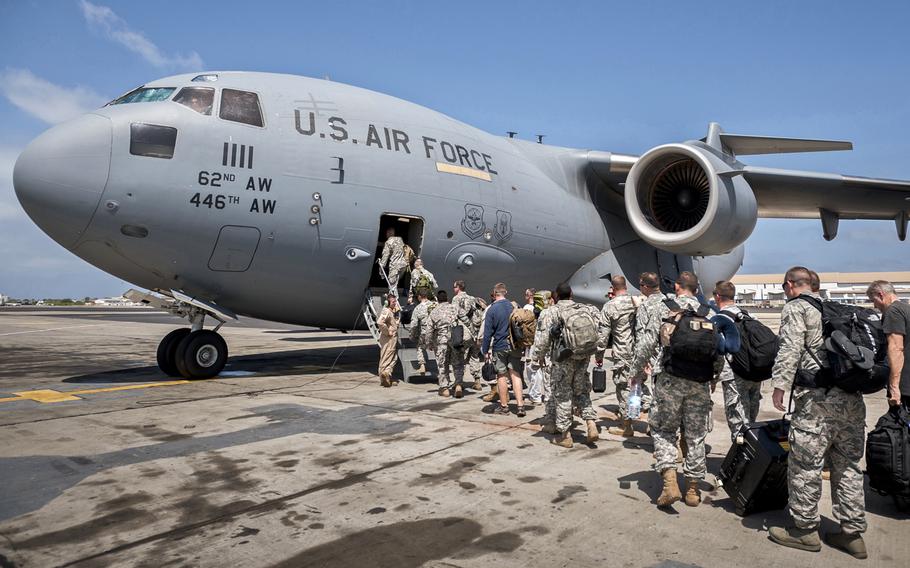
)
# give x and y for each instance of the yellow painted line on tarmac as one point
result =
(47, 396)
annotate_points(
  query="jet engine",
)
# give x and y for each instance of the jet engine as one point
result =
(689, 198)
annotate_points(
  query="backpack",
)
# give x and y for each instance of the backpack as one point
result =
(577, 327)
(409, 256)
(758, 348)
(423, 282)
(855, 348)
(689, 340)
(888, 454)
(522, 327)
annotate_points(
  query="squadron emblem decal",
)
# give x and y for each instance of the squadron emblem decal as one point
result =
(472, 225)
(503, 227)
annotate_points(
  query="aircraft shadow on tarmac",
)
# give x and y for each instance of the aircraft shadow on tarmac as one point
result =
(356, 358)
(411, 544)
(31, 482)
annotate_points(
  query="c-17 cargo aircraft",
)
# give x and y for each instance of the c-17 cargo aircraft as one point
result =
(269, 196)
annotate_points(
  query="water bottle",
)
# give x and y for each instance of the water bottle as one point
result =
(635, 400)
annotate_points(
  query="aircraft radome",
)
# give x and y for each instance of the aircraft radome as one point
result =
(268, 196)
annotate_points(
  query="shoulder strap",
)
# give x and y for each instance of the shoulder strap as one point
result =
(670, 303)
(731, 315)
(815, 302)
(703, 310)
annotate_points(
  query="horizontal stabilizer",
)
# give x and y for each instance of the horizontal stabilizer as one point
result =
(741, 144)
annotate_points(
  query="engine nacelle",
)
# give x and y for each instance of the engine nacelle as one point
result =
(687, 199)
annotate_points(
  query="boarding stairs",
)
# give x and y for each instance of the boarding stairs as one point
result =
(373, 302)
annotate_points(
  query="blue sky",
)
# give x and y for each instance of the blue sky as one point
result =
(608, 76)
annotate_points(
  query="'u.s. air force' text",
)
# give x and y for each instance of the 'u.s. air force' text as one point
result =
(395, 140)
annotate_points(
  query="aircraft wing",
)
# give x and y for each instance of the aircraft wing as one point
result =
(829, 197)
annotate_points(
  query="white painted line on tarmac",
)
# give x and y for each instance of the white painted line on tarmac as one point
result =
(53, 329)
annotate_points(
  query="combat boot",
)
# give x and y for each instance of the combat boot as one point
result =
(445, 393)
(693, 495)
(478, 386)
(549, 428)
(384, 379)
(851, 543)
(564, 440)
(793, 537)
(670, 493)
(458, 391)
(593, 434)
(491, 396)
(626, 431)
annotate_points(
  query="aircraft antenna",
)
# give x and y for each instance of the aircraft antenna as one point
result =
(540, 138)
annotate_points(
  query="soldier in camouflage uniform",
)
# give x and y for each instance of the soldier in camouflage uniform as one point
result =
(569, 379)
(741, 396)
(680, 403)
(540, 356)
(617, 321)
(420, 329)
(393, 258)
(421, 278)
(441, 321)
(468, 314)
(826, 423)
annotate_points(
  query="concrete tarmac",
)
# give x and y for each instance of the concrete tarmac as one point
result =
(296, 457)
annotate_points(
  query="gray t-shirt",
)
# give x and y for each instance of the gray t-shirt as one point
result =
(897, 320)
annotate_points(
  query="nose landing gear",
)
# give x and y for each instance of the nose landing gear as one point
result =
(199, 354)
(193, 352)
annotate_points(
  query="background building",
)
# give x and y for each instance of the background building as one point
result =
(847, 287)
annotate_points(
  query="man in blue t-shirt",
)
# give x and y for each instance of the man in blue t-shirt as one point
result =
(497, 348)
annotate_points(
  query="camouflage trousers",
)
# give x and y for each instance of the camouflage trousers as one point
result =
(827, 425)
(570, 383)
(623, 385)
(741, 400)
(467, 356)
(422, 352)
(444, 360)
(680, 403)
(394, 274)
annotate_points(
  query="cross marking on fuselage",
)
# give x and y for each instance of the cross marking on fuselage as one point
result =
(313, 105)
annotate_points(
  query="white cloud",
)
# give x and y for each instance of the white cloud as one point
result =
(104, 20)
(45, 100)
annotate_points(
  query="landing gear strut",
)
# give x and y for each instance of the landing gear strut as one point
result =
(193, 352)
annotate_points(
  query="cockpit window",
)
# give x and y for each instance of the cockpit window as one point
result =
(152, 140)
(240, 106)
(144, 95)
(199, 99)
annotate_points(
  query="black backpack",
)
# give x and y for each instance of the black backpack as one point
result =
(758, 348)
(863, 328)
(888, 454)
(690, 343)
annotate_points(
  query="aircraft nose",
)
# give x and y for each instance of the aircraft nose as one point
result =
(60, 176)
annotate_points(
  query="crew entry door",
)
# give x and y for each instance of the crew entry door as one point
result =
(410, 229)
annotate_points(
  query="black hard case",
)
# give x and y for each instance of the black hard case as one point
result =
(754, 473)
(599, 379)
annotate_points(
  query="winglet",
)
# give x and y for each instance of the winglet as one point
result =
(744, 144)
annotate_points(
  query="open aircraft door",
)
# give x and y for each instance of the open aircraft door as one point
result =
(410, 228)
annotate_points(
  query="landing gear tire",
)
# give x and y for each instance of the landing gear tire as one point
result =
(201, 355)
(167, 351)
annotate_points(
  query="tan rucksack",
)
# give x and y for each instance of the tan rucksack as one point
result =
(522, 327)
(409, 256)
